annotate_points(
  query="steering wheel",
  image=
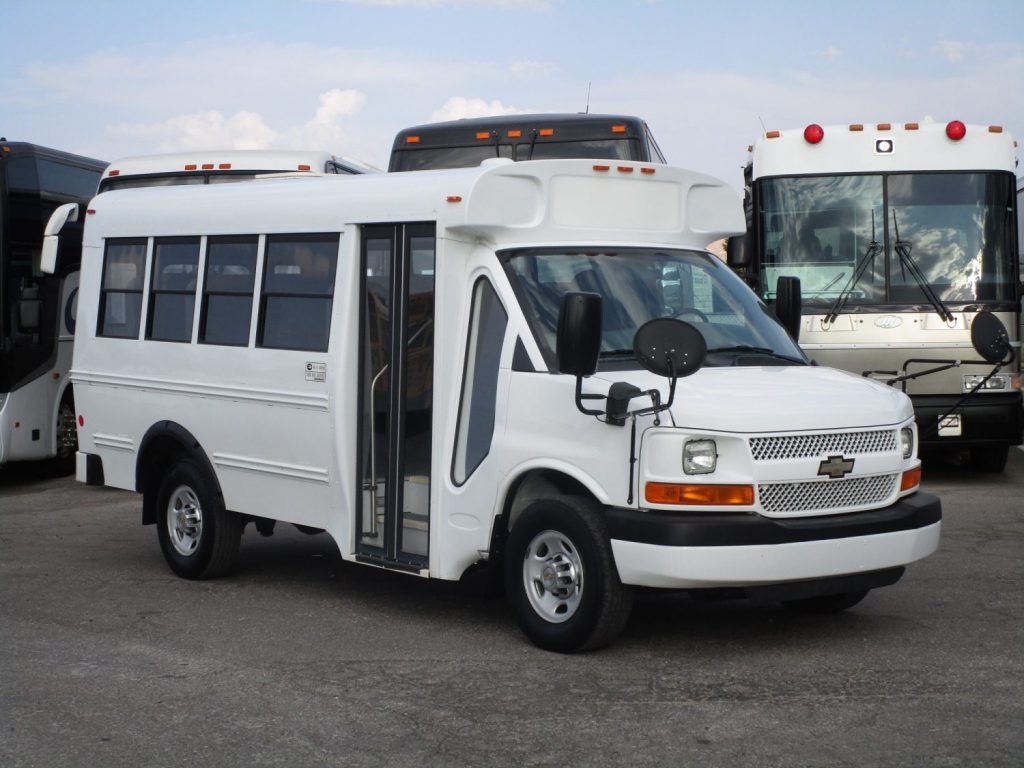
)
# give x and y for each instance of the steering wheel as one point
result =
(690, 311)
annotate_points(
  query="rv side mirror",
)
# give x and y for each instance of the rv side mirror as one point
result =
(30, 311)
(578, 343)
(787, 305)
(989, 337)
(670, 348)
(737, 251)
(51, 236)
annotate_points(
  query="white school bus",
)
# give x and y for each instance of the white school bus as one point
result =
(534, 365)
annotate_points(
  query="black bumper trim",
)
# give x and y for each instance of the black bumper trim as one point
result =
(718, 529)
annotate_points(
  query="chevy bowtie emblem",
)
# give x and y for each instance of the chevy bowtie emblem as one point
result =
(836, 466)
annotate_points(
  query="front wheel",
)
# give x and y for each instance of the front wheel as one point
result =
(199, 538)
(561, 577)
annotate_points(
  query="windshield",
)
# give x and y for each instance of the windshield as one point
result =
(640, 284)
(887, 239)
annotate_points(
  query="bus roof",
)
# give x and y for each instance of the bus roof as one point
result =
(233, 161)
(24, 148)
(883, 148)
(549, 201)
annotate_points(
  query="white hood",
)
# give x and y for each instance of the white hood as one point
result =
(771, 399)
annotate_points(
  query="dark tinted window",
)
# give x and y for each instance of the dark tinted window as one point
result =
(121, 291)
(66, 180)
(173, 289)
(228, 290)
(298, 291)
(603, 149)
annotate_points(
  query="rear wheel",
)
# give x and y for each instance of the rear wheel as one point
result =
(826, 603)
(66, 439)
(199, 538)
(561, 578)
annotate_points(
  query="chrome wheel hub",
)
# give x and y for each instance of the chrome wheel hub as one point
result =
(184, 520)
(553, 576)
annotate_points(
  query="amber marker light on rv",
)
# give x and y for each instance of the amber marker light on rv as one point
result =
(692, 494)
(412, 139)
(224, 167)
(546, 132)
(911, 127)
(514, 133)
(191, 167)
(305, 168)
(114, 172)
(483, 134)
(995, 129)
(618, 129)
(856, 127)
(773, 134)
(602, 167)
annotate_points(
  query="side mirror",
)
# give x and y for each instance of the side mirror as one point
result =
(51, 236)
(670, 348)
(578, 342)
(989, 337)
(737, 251)
(788, 305)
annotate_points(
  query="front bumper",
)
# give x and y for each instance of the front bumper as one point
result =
(705, 550)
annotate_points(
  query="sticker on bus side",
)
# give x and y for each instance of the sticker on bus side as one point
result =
(316, 372)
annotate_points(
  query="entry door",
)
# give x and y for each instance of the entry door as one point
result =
(396, 393)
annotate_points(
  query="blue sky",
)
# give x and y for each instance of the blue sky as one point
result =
(110, 78)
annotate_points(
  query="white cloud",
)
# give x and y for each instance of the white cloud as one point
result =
(952, 50)
(200, 130)
(458, 107)
(831, 53)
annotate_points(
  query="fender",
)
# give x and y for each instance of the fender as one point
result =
(164, 442)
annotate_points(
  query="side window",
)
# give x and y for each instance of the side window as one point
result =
(480, 381)
(120, 311)
(227, 290)
(298, 291)
(172, 291)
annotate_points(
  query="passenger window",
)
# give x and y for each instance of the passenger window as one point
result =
(228, 290)
(172, 292)
(480, 381)
(298, 291)
(120, 311)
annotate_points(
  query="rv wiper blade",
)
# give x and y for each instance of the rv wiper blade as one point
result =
(903, 248)
(869, 255)
(746, 348)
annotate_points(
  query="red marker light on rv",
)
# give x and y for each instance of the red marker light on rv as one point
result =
(814, 133)
(956, 130)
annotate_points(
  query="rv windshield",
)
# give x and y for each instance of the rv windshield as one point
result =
(640, 284)
(954, 229)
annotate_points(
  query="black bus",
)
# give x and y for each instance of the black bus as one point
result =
(463, 143)
(37, 418)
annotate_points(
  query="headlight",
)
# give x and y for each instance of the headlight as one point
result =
(998, 383)
(700, 457)
(907, 442)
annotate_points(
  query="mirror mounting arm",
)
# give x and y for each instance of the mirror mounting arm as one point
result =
(580, 397)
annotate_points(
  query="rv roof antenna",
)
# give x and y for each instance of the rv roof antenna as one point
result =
(763, 129)
(587, 112)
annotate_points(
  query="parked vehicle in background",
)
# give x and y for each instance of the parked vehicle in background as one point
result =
(37, 310)
(463, 143)
(486, 365)
(219, 166)
(902, 235)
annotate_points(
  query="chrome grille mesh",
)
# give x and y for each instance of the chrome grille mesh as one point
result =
(814, 446)
(824, 496)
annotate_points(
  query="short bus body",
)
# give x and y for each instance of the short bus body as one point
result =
(464, 143)
(220, 166)
(380, 358)
(37, 310)
(901, 234)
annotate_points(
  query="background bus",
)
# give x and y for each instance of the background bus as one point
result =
(465, 143)
(37, 311)
(217, 166)
(900, 235)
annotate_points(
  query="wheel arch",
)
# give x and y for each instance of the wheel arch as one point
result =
(163, 444)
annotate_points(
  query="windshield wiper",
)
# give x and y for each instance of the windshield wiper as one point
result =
(907, 264)
(747, 348)
(869, 255)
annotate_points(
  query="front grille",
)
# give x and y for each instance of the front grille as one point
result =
(815, 446)
(824, 496)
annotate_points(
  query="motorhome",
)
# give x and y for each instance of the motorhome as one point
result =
(533, 366)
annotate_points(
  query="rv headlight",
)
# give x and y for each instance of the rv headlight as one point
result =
(907, 442)
(998, 382)
(700, 457)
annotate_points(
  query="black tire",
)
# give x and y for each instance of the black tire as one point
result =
(826, 603)
(199, 538)
(573, 599)
(989, 458)
(66, 439)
